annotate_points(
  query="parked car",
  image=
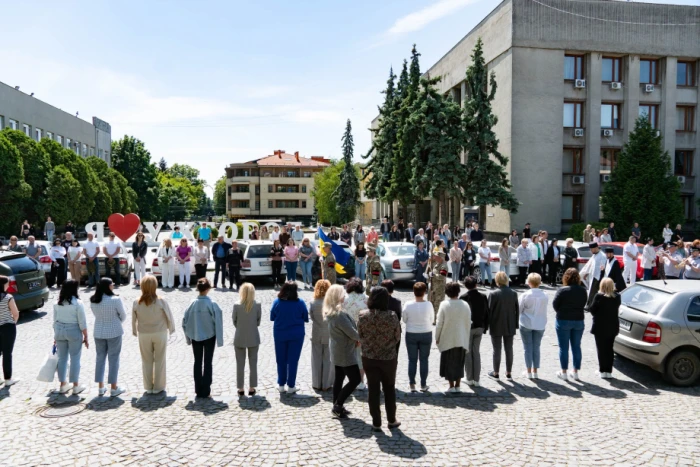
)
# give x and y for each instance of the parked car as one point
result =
(494, 263)
(618, 246)
(27, 280)
(397, 260)
(584, 254)
(660, 328)
(125, 266)
(153, 263)
(258, 253)
(316, 268)
(44, 258)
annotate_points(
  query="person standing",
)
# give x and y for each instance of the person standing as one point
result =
(395, 234)
(184, 258)
(289, 315)
(275, 234)
(514, 240)
(372, 236)
(291, 258)
(485, 264)
(177, 235)
(533, 321)
(75, 251)
(569, 303)
(322, 371)
(360, 261)
(677, 233)
(297, 235)
(220, 253)
(112, 249)
(570, 255)
(447, 234)
(544, 244)
(26, 230)
(379, 332)
(671, 259)
(692, 266)
(611, 231)
(410, 233)
(504, 256)
(70, 334)
(455, 261)
(612, 269)
(359, 236)
(49, 229)
(234, 259)
(109, 316)
(479, 308)
(139, 250)
(264, 233)
(247, 315)
(605, 236)
(166, 258)
(469, 257)
(536, 254)
(420, 260)
(151, 320)
(648, 259)
(636, 232)
(476, 235)
(418, 316)
(9, 314)
(276, 255)
(355, 302)
(428, 230)
(524, 255)
(13, 246)
(201, 259)
(606, 325)
(328, 264)
(588, 233)
(527, 231)
(69, 228)
(374, 268)
(306, 260)
(204, 329)
(344, 340)
(593, 271)
(438, 280)
(204, 234)
(334, 235)
(284, 237)
(503, 321)
(91, 249)
(58, 265)
(420, 237)
(346, 235)
(384, 229)
(452, 336)
(630, 252)
(552, 259)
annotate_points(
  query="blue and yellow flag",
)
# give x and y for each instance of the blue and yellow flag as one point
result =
(341, 256)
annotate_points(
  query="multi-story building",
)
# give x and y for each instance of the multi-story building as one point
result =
(37, 119)
(599, 65)
(273, 187)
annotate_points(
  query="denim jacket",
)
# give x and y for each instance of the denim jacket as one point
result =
(203, 320)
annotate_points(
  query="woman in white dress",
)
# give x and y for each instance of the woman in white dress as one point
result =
(166, 259)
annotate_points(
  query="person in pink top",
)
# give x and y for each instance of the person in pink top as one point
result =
(184, 253)
(291, 258)
(372, 236)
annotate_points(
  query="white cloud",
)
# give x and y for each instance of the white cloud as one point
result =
(419, 19)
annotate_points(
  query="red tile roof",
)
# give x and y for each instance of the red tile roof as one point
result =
(281, 158)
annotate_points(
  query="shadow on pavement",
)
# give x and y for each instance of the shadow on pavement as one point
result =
(102, 404)
(299, 400)
(521, 390)
(600, 391)
(399, 445)
(206, 406)
(152, 402)
(29, 316)
(561, 389)
(253, 403)
(356, 428)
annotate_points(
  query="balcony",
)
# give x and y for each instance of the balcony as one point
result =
(573, 184)
(239, 195)
(688, 183)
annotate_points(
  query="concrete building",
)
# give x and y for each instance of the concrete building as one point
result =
(601, 64)
(273, 187)
(37, 119)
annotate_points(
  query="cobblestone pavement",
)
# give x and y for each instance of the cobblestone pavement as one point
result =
(635, 419)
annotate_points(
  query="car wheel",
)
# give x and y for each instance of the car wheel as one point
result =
(560, 276)
(683, 368)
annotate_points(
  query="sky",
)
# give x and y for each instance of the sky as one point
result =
(215, 82)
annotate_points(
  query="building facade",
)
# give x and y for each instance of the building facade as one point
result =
(273, 187)
(572, 79)
(37, 119)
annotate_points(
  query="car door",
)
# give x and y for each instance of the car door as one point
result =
(692, 317)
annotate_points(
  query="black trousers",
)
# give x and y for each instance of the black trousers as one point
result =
(507, 342)
(604, 345)
(8, 333)
(277, 273)
(203, 356)
(381, 372)
(553, 271)
(536, 266)
(523, 275)
(200, 270)
(220, 265)
(340, 392)
(234, 275)
(595, 286)
(58, 273)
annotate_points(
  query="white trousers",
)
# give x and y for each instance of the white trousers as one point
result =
(140, 269)
(184, 269)
(167, 277)
(631, 271)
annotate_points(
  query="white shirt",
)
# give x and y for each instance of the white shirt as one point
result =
(57, 252)
(91, 248)
(667, 234)
(274, 236)
(112, 247)
(533, 310)
(669, 267)
(418, 316)
(632, 249)
(648, 257)
(485, 251)
(73, 252)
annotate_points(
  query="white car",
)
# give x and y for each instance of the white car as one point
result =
(44, 259)
(258, 253)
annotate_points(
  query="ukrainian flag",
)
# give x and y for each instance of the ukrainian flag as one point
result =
(341, 256)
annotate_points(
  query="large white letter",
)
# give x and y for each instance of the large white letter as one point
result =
(96, 228)
(247, 229)
(152, 229)
(234, 231)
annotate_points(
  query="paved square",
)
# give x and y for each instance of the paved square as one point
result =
(635, 419)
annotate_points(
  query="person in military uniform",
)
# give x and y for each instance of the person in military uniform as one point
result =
(438, 280)
(328, 268)
(374, 269)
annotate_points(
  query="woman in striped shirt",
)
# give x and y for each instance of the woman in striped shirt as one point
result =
(9, 314)
(109, 316)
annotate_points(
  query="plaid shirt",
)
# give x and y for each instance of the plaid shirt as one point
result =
(109, 316)
(380, 332)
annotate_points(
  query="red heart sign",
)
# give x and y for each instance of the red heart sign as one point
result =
(123, 226)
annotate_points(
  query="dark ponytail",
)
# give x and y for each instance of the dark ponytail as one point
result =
(103, 288)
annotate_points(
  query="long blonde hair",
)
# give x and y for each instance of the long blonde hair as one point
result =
(149, 285)
(247, 296)
(607, 287)
(333, 302)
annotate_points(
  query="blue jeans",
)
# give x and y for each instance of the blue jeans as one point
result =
(531, 342)
(569, 331)
(93, 279)
(648, 274)
(107, 348)
(385, 236)
(291, 270)
(287, 353)
(49, 235)
(360, 269)
(69, 342)
(306, 272)
(418, 346)
(485, 272)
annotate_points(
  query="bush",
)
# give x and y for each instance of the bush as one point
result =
(576, 230)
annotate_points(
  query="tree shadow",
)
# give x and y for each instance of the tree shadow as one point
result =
(254, 403)
(301, 401)
(153, 402)
(103, 404)
(29, 316)
(399, 444)
(207, 406)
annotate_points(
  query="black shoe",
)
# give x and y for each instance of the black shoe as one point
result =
(396, 424)
(230, 287)
(376, 427)
(493, 374)
(338, 412)
(346, 411)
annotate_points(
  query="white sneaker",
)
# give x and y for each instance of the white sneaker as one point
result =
(470, 383)
(424, 388)
(476, 384)
(10, 382)
(574, 376)
(63, 389)
(292, 390)
(116, 392)
(534, 376)
(529, 375)
(362, 387)
(101, 391)
(457, 389)
(562, 375)
(149, 391)
(78, 389)
(610, 375)
(450, 390)
(281, 389)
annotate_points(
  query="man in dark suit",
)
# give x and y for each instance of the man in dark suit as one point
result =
(410, 233)
(394, 303)
(503, 322)
(614, 271)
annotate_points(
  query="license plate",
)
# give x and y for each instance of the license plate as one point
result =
(33, 285)
(409, 264)
(625, 325)
(265, 263)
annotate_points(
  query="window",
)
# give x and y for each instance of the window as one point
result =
(683, 164)
(608, 159)
(685, 74)
(287, 204)
(84, 150)
(2, 122)
(13, 124)
(37, 134)
(257, 205)
(688, 206)
(68, 143)
(307, 174)
(240, 204)
(694, 310)
(92, 151)
(287, 189)
(76, 147)
(240, 188)
(651, 112)
(303, 204)
(59, 140)
(573, 161)
(610, 116)
(303, 188)
(645, 299)
(27, 131)
(611, 69)
(49, 135)
(291, 173)
(270, 188)
(269, 204)
(571, 207)
(257, 189)
(648, 73)
(573, 114)
(573, 67)
(684, 118)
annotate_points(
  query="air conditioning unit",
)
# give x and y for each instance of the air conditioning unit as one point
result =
(605, 178)
(577, 180)
(681, 179)
(608, 133)
(658, 133)
(580, 83)
(615, 85)
(648, 88)
(578, 132)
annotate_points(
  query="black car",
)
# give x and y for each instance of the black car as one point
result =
(27, 280)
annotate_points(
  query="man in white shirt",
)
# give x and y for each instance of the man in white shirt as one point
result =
(629, 257)
(593, 272)
(692, 267)
(672, 258)
(91, 249)
(275, 235)
(112, 249)
(648, 259)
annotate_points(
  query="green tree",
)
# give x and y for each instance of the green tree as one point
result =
(61, 200)
(178, 197)
(325, 184)
(220, 196)
(187, 172)
(129, 197)
(486, 181)
(131, 158)
(347, 194)
(642, 187)
(14, 191)
(162, 165)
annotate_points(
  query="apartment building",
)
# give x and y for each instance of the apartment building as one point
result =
(573, 76)
(273, 187)
(37, 119)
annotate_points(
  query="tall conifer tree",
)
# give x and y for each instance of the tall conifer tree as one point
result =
(347, 195)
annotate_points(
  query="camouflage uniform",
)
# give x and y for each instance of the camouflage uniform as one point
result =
(329, 268)
(374, 271)
(438, 280)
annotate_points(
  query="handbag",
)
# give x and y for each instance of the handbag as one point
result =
(49, 367)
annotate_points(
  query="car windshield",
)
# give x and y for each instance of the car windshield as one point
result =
(645, 299)
(259, 251)
(402, 250)
(584, 252)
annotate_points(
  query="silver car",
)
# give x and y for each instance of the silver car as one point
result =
(397, 260)
(660, 327)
